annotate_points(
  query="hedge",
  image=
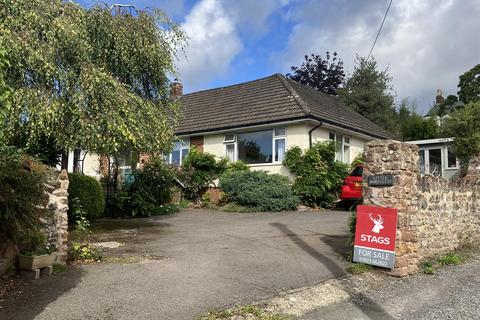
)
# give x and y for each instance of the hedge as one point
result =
(258, 190)
(90, 193)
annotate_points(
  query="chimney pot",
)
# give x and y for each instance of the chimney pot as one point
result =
(439, 98)
(176, 89)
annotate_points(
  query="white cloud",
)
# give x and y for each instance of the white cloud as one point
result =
(425, 44)
(212, 45)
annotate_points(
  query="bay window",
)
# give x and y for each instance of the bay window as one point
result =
(258, 147)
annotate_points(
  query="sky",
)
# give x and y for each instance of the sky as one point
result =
(425, 44)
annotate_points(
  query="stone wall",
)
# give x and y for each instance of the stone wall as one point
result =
(57, 226)
(435, 216)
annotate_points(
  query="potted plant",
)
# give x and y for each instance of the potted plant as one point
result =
(36, 251)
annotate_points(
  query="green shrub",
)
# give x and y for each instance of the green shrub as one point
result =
(90, 194)
(22, 192)
(199, 170)
(238, 165)
(318, 176)
(233, 207)
(258, 190)
(352, 225)
(149, 193)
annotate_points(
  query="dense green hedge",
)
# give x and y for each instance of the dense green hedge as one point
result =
(90, 193)
(258, 190)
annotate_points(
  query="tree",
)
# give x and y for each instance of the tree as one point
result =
(368, 91)
(322, 75)
(448, 106)
(463, 126)
(415, 127)
(4, 92)
(470, 85)
(90, 79)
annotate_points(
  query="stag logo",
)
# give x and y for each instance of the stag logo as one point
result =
(378, 223)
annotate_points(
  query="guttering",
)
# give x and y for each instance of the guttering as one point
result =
(279, 122)
(320, 123)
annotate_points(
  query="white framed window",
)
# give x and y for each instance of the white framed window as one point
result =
(451, 159)
(257, 147)
(342, 152)
(431, 161)
(179, 152)
(279, 142)
(346, 149)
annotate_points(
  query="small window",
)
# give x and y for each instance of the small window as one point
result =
(230, 151)
(451, 158)
(346, 140)
(279, 150)
(229, 138)
(279, 132)
(332, 136)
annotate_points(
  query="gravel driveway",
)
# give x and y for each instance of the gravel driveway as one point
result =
(189, 263)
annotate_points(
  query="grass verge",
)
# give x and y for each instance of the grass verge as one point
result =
(248, 311)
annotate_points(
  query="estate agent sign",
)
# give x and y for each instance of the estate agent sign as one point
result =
(375, 236)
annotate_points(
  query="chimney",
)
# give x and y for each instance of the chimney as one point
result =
(176, 89)
(439, 98)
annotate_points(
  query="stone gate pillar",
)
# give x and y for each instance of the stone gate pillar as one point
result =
(389, 157)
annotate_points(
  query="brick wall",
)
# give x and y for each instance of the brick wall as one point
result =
(197, 141)
(435, 216)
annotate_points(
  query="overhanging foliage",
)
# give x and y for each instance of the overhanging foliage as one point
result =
(90, 78)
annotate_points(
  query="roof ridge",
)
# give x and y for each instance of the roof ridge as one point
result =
(231, 85)
(296, 96)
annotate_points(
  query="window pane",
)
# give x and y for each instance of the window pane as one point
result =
(357, 172)
(176, 157)
(422, 161)
(230, 152)
(346, 154)
(279, 131)
(346, 140)
(435, 161)
(279, 150)
(331, 136)
(229, 137)
(255, 147)
(184, 153)
(452, 159)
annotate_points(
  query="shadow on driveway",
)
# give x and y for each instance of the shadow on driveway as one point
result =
(31, 297)
(371, 309)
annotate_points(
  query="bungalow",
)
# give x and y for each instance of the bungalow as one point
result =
(257, 121)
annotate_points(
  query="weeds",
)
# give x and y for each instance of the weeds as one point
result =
(358, 268)
(428, 267)
(245, 312)
(450, 259)
(59, 268)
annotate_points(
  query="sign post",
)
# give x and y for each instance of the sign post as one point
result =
(375, 236)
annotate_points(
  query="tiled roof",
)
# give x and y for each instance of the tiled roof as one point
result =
(267, 100)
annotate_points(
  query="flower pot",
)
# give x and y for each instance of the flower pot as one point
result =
(36, 262)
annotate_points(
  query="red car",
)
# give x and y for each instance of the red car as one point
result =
(352, 187)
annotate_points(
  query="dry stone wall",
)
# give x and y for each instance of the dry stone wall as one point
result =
(434, 215)
(57, 226)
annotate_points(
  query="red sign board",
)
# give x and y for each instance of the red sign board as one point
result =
(375, 235)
